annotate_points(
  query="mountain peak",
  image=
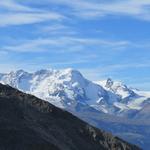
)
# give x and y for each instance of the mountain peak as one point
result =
(70, 71)
(61, 87)
(109, 83)
(17, 73)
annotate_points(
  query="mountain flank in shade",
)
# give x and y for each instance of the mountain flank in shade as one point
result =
(28, 123)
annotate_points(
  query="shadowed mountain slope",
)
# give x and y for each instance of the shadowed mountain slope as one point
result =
(28, 123)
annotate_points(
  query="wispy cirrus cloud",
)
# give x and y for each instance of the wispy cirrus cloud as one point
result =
(63, 44)
(8, 19)
(96, 9)
(123, 66)
(105, 71)
(13, 13)
(57, 29)
(11, 5)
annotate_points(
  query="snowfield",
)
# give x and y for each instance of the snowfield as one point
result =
(68, 88)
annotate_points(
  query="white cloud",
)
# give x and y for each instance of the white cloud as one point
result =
(8, 19)
(117, 67)
(63, 44)
(11, 5)
(93, 9)
(104, 71)
(56, 29)
(13, 13)
(17, 14)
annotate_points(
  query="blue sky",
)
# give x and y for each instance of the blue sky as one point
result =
(100, 38)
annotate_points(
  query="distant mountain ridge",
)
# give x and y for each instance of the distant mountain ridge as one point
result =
(131, 99)
(28, 123)
(68, 88)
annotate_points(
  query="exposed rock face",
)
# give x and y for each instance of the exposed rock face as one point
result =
(28, 123)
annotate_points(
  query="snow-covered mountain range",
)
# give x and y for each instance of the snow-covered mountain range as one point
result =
(106, 104)
(68, 89)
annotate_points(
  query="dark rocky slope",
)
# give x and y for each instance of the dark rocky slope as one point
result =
(28, 123)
